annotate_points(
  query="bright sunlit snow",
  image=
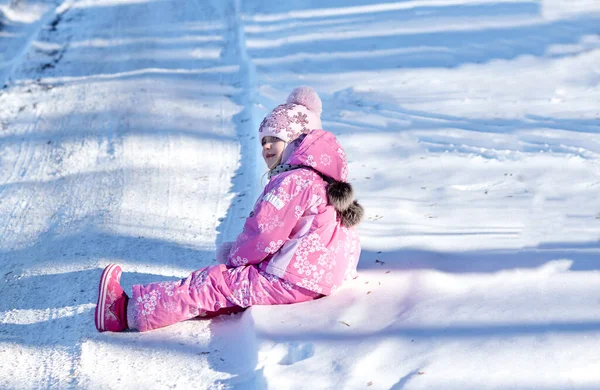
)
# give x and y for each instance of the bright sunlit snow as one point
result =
(472, 127)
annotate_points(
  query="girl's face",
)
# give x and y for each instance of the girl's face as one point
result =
(272, 149)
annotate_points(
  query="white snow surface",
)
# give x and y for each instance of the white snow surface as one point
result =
(128, 135)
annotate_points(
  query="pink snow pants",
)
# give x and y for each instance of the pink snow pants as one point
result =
(209, 291)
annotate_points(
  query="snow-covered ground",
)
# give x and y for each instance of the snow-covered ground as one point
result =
(128, 134)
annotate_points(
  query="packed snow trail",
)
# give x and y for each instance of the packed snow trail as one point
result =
(120, 145)
(472, 130)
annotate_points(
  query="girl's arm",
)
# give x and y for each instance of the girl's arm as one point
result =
(268, 227)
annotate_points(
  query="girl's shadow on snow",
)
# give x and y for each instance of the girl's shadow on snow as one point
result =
(582, 255)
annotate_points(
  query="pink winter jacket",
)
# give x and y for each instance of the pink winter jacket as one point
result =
(293, 232)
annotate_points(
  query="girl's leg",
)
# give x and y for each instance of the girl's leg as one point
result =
(208, 292)
(164, 303)
(250, 286)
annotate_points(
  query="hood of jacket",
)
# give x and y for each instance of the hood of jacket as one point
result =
(321, 151)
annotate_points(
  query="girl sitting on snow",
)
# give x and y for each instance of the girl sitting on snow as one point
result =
(298, 243)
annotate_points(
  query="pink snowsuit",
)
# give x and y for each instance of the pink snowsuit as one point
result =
(293, 247)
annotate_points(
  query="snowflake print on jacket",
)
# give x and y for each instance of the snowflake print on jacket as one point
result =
(238, 261)
(293, 232)
(310, 160)
(199, 281)
(148, 302)
(269, 224)
(325, 159)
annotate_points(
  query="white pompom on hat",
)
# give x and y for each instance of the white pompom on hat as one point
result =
(299, 115)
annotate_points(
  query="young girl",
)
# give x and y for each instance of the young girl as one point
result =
(298, 243)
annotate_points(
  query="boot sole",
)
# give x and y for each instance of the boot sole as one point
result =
(100, 304)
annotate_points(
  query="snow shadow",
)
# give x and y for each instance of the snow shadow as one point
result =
(85, 249)
(246, 181)
(54, 138)
(45, 309)
(583, 257)
(192, 46)
(399, 119)
(13, 36)
(423, 332)
(240, 358)
(394, 35)
(61, 315)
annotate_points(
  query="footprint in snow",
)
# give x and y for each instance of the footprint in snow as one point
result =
(297, 352)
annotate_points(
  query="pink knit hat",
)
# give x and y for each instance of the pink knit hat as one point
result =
(299, 115)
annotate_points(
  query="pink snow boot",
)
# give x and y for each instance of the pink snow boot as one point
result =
(111, 308)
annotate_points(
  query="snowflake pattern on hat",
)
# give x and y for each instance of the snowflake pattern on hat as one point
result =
(289, 121)
(278, 121)
(301, 119)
